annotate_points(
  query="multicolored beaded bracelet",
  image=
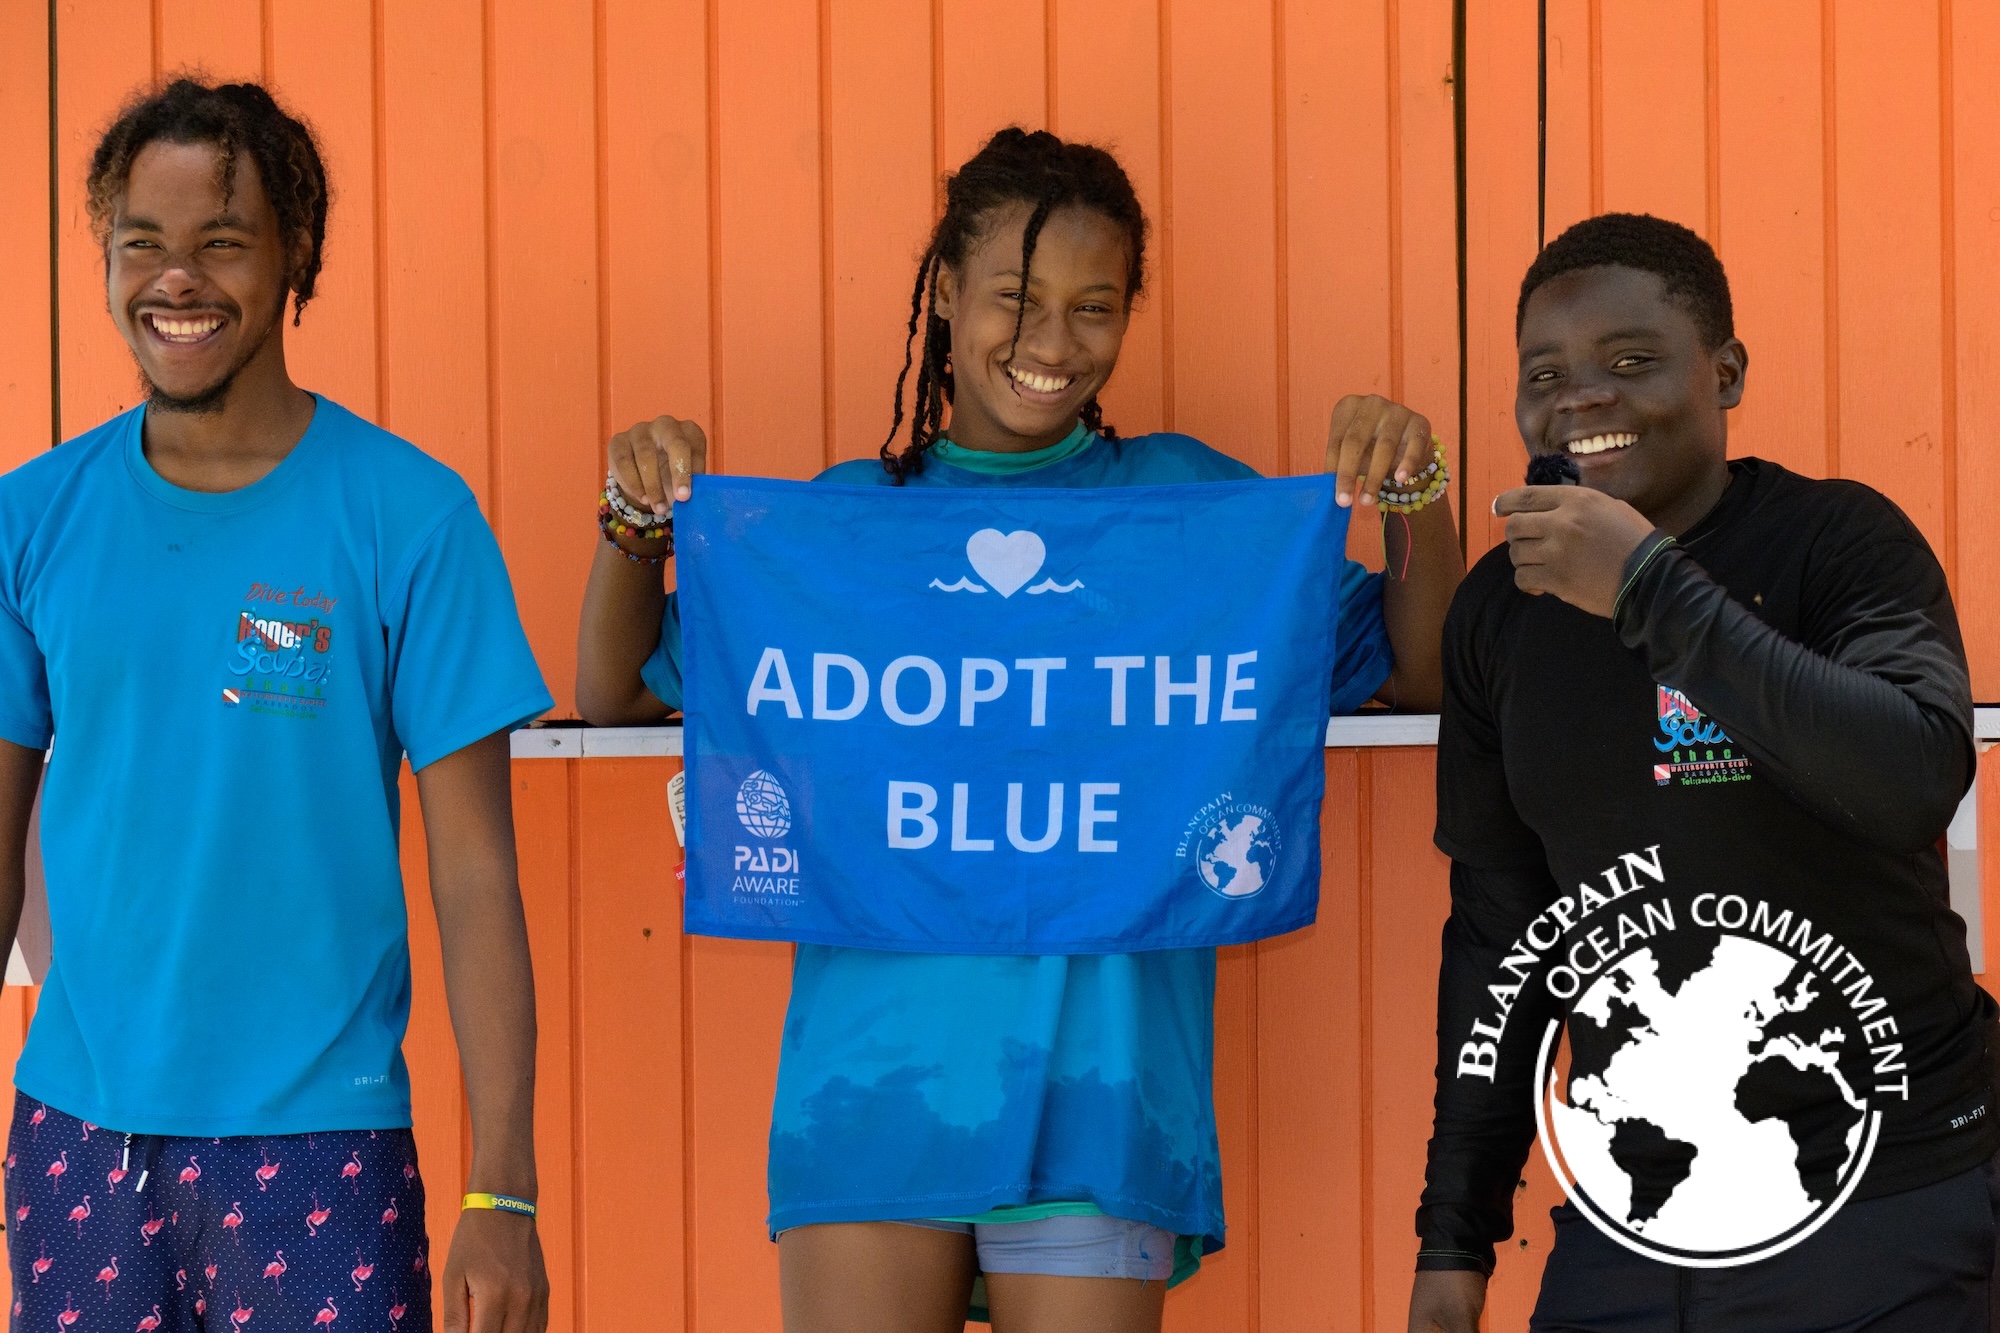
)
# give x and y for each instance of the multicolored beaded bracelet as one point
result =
(1424, 488)
(613, 525)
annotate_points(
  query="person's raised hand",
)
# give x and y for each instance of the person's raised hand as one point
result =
(1371, 438)
(494, 1279)
(1571, 541)
(1447, 1302)
(653, 461)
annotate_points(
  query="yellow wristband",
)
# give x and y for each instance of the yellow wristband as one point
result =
(505, 1203)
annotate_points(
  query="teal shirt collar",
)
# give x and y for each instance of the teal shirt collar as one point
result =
(1001, 465)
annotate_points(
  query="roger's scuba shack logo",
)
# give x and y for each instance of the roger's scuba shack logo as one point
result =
(1691, 750)
(765, 870)
(280, 663)
(1233, 846)
(1727, 1064)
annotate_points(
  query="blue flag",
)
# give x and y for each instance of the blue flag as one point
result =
(1006, 720)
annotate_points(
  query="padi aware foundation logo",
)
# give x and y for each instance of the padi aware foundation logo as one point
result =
(1233, 846)
(1727, 1064)
(765, 873)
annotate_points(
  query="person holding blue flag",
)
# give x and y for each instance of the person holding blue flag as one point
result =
(1030, 1135)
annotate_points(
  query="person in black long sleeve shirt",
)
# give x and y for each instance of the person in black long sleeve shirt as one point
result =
(1705, 723)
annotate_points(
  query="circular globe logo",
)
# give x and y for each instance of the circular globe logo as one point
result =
(1237, 851)
(1692, 1123)
(763, 806)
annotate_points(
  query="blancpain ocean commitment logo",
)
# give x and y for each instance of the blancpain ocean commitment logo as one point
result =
(1233, 845)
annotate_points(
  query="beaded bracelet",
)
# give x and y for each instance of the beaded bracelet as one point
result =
(1424, 488)
(613, 525)
(634, 516)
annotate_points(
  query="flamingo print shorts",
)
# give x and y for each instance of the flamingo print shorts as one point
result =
(303, 1232)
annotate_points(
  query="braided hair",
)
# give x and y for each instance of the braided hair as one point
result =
(1015, 167)
(235, 118)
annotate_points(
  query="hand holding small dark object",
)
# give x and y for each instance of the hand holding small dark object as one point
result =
(1553, 470)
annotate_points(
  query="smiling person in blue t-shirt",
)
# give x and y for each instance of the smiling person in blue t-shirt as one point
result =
(235, 609)
(1046, 1122)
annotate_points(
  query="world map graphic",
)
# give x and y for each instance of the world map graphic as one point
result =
(1707, 1108)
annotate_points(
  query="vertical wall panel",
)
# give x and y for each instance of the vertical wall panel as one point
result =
(1976, 267)
(1107, 91)
(26, 408)
(222, 40)
(1500, 244)
(544, 826)
(432, 174)
(772, 417)
(1337, 224)
(632, 1122)
(1574, 184)
(1652, 107)
(992, 72)
(1314, 1201)
(107, 55)
(882, 183)
(1891, 394)
(1224, 218)
(322, 65)
(544, 282)
(654, 142)
(1424, 323)
(1774, 226)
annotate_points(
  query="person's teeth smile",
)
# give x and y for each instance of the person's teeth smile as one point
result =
(1049, 385)
(181, 330)
(1601, 444)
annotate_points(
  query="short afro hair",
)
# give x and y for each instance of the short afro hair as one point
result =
(238, 119)
(1681, 260)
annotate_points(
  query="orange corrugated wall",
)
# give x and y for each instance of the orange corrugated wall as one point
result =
(553, 217)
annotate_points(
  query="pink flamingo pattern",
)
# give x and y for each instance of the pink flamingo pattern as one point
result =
(317, 1217)
(35, 1123)
(289, 1233)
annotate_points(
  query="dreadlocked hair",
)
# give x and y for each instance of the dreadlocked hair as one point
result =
(236, 118)
(1016, 166)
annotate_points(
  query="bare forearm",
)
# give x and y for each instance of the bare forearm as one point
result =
(490, 986)
(20, 778)
(489, 978)
(1424, 567)
(622, 607)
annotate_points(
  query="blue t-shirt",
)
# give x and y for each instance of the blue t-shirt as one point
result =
(936, 1085)
(232, 681)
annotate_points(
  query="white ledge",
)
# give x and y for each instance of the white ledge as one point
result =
(1368, 729)
(644, 742)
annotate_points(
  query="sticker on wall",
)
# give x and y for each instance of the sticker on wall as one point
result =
(677, 805)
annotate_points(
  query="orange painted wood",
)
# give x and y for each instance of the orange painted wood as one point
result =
(881, 183)
(1975, 329)
(218, 39)
(1652, 110)
(321, 61)
(992, 71)
(1773, 205)
(629, 987)
(432, 170)
(26, 408)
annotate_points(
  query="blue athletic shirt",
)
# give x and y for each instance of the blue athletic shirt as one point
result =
(936, 1085)
(232, 680)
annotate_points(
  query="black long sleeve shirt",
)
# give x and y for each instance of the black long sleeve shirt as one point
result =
(1772, 731)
